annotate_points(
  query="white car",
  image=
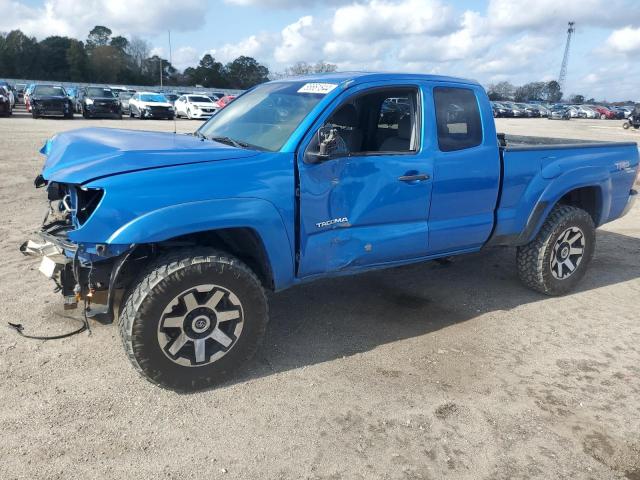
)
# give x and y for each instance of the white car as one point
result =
(150, 105)
(588, 112)
(195, 106)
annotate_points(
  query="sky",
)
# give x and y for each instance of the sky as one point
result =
(487, 40)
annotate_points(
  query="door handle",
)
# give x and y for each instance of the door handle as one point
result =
(418, 177)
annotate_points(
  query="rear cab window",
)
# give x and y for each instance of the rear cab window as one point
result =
(458, 118)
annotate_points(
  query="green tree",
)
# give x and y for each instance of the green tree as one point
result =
(501, 91)
(245, 72)
(98, 37)
(552, 92)
(53, 62)
(577, 99)
(78, 62)
(119, 42)
(208, 73)
(19, 56)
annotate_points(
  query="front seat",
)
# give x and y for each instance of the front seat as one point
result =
(401, 142)
(346, 120)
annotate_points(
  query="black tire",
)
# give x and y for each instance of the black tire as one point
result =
(534, 260)
(34, 114)
(165, 284)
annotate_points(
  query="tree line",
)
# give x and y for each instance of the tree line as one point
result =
(536, 91)
(104, 58)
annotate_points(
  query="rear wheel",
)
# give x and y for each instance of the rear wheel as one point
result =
(193, 318)
(555, 261)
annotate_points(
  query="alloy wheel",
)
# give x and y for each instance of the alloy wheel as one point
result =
(200, 325)
(567, 253)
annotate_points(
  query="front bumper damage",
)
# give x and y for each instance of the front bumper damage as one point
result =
(78, 275)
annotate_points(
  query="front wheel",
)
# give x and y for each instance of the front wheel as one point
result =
(555, 261)
(193, 318)
(625, 125)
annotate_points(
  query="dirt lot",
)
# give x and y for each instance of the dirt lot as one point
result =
(421, 372)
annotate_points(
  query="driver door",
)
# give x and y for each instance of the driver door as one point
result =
(366, 203)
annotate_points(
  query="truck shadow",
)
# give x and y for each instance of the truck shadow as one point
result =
(340, 317)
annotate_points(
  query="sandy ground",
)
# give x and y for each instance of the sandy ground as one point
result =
(420, 372)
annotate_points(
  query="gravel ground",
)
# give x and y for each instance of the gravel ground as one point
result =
(422, 372)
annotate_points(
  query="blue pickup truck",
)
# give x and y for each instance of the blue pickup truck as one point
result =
(302, 179)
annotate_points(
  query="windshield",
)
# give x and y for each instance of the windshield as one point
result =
(49, 91)
(124, 96)
(99, 92)
(199, 99)
(153, 98)
(264, 117)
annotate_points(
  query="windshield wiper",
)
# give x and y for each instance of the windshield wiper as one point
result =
(200, 135)
(229, 141)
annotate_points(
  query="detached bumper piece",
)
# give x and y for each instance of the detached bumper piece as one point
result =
(55, 264)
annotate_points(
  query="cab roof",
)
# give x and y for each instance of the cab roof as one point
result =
(366, 77)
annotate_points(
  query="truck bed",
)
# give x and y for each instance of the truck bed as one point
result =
(524, 142)
(537, 171)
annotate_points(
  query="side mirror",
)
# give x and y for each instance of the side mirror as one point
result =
(329, 144)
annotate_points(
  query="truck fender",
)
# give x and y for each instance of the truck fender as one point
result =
(564, 183)
(194, 217)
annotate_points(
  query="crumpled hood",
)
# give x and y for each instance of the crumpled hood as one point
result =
(80, 156)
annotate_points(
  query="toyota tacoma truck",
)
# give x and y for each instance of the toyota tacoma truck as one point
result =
(180, 236)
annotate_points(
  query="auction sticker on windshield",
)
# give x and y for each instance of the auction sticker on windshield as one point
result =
(322, 88)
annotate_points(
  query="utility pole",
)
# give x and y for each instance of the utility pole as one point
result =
(565, 60)
(160, 58)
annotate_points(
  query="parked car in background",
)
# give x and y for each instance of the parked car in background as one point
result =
(516, 111)
(9, 92)
(99, 102)
(628, 110)
(586, 111)
(195, 106)
(619, 112)
(27, 96)
(150, 105)
(6, 108)
(499, 110)
(605, 113)
(20, 88)
(543, 110)
(117, 90)
(74, 94)
(172, 97)
(224, 101)
(559, 113)
(50, 101)
(633, 120)
(123, 98)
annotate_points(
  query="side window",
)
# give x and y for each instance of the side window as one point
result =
(379, 121)
(458, 118)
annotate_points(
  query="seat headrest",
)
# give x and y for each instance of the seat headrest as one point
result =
(404, 128)
(346, 116)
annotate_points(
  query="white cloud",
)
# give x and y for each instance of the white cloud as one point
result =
(256, 46)
(299, 41)
(625, 40)
(283, 3)
(384, 19)
(552, 14)
(76, 18)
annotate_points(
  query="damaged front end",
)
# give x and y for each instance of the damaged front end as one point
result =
(82, 272)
